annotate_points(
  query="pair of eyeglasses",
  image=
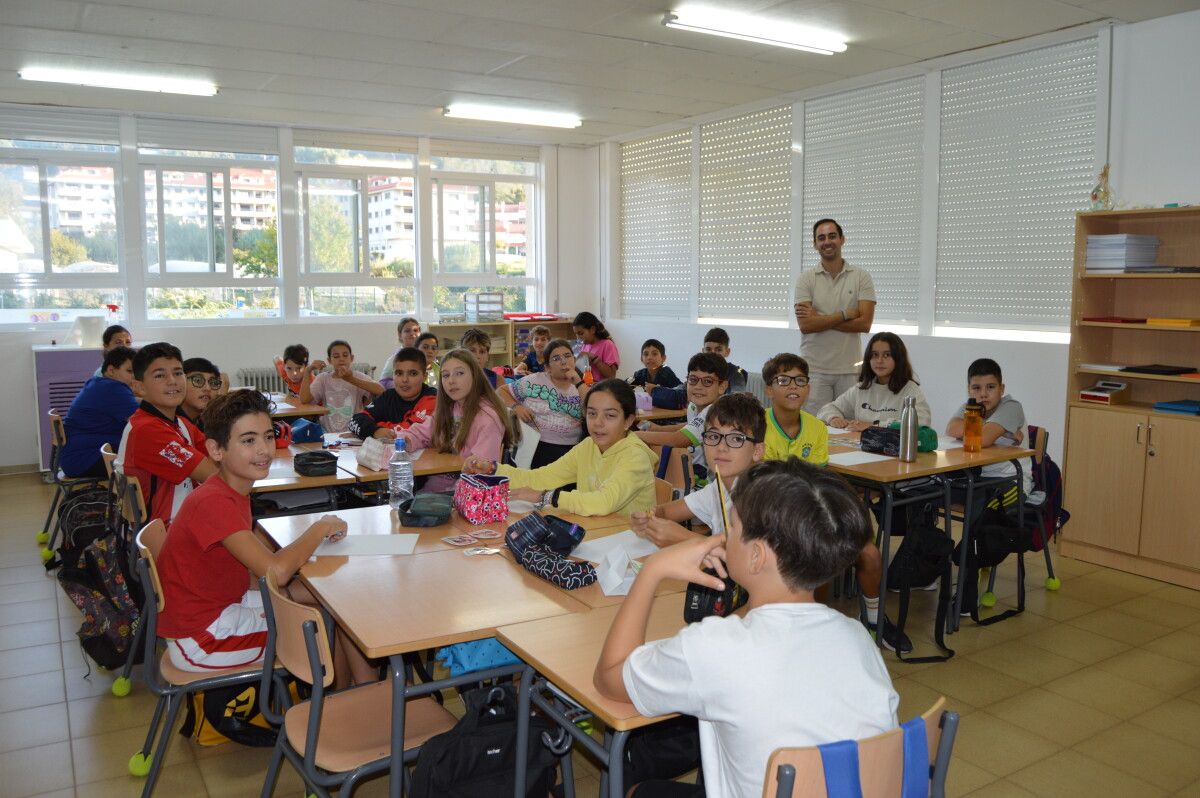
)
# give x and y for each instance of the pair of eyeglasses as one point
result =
(734, 440)
(783, 381)
(198, 380)
(707, 382)
(562, 359)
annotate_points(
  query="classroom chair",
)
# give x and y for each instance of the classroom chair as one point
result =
(130, 515)
(907, 762)
(334, 739)
(172, 686)
(64, 486)
(663, 491)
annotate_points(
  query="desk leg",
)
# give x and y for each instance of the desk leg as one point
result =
(523, 699)
(614, 775)
(885, 544)
(968, 502)
(396, 772)
(947, 500)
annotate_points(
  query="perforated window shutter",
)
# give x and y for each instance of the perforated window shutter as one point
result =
(863, 156)
(1017, 160)
(175, 134)
(656, 226)
(745, 216)
(40, 125)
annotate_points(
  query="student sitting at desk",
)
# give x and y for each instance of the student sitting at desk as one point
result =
(535, 358)
(290, 368)
(612, 470)
(204, 382)
(114, 335)
(407, 333)
(549, 400)
(654, 371)
(428, 343)
(212, 619)
(705, 382)
(99, 415)
(342, 391)
(409, 401)
(884, 382)
(1003, 422)
(603, 357)
(479, 344)
(468, 419)
(792, 671)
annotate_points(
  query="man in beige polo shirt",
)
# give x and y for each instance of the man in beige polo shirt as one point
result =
(834, 303)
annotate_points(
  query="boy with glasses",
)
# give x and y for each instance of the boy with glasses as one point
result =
(733, 441)
(204, 383)
(791, 431)
(705, 384)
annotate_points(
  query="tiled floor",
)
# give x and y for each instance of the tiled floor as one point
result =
(1094, 691)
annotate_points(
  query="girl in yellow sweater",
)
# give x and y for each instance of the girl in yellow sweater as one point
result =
(612, 469)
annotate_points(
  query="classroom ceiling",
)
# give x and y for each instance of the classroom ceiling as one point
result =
(392, 65)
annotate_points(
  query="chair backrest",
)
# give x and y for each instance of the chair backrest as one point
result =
(133, 505)
(1038, 444)
(663, 491)
(149, 543)
(58, 432)
(109, 457)
(290, 648)
(880, 762)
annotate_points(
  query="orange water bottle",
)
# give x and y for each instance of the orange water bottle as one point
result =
(972, 426)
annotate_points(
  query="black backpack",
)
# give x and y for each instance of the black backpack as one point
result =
(83, 517)
(994, 536)
(663, 750)
(924, 556)
(477, 758)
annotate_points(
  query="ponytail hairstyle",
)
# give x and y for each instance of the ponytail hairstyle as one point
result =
(444, 437)
(902, 372)
(589, 321)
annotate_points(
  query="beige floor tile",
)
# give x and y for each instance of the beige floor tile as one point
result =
(916, 698)
(583, 763)
(67, 793)
(1119, 626)
(177, 781)
(24, 574)
(1056, 605)
(22, 635)
(1002, 789)
(968, 681)
(1180, 595)
(1107, 692)
(1193, 695)
(106, 756)
(30, 771)
(1139, 584)
(998, 746)
(1072, 775)
(965, 778)
(1052, 716)
(1160, 610)
(1065, 567)
(81, 684)
(28, 728)
(107, 713)
(1182, 645)
(67, 629)
(1025, 662)
(1074, 643)
(1139, 752)
(1097, 591)
(586, 786)
(44, 659)
(1154, 670)
(31, 591)
(22, 692)
(27, 611)
(1191, 791)
(242, 773)
(1179, 720)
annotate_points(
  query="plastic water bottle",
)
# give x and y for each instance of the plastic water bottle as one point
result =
(400, 476)
(972, 427)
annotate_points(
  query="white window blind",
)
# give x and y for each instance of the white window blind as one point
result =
(41, 125)
(1017, 161)
(745, 216)
(176, 134)
(863, 156)
(656, 226)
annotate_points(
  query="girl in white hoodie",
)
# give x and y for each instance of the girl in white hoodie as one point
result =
(885, 381)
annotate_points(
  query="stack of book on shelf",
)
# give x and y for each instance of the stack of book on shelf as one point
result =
(1123, 252)
(1186, 407)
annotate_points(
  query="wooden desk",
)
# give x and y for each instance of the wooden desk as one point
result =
(564, 651)
(662, 414)
(378, 520)
(430, 462)
(292, 408)
(927, 464)
(614, 522)
(283, 474)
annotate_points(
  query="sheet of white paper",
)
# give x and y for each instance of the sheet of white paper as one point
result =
(835, 431)
(530, 438)
(615, 573)
(857, 458)
(369, 545)
(946, 442)
(345, 439)
(520, 506)
(627, 541)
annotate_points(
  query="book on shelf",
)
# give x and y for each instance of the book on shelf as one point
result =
(1159, 369)
(1188, 407)
(1116, 319)
(1116, 253)
(1173, 322)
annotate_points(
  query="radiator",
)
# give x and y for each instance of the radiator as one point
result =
(266, 378)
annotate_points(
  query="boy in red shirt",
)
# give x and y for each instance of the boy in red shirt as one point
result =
(159, 447)
(213, 620)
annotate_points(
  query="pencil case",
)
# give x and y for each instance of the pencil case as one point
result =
(482, 498)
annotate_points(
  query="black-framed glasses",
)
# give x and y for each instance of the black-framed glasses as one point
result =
(707, 382)
(784, 380)
(198, 380)
(734, 440)
(562, 359)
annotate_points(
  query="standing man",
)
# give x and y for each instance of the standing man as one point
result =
(834, 303)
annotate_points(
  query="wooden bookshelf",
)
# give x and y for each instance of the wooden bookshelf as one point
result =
(1129, 470)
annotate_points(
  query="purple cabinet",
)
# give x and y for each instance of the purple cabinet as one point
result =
(59, 374)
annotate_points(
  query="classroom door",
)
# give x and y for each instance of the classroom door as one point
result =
(1170, 520)
(1105, 468)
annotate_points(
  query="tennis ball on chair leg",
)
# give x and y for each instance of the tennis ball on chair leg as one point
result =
(121, 687)
(139, 764)
(43, 536)
(46, 555)
(1053, 583)
(988, 599)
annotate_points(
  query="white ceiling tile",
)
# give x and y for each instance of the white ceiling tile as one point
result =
(1010, 19)
(1138, 10)
(804, 79)
(945, 45)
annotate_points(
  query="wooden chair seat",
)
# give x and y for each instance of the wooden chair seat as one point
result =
(178, 677)
(356, 726)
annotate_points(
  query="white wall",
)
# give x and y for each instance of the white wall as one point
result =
(578, 229)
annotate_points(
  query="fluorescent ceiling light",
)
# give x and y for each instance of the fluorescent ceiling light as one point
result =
(120, 80)
(756, 29)
(515, 116)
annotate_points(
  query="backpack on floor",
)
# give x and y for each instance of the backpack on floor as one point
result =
(83, 517)
(995, 535)
(924, 557)
(1051, 516)
(98, 584)
(477, 758)
(664, 750)
(228, 714)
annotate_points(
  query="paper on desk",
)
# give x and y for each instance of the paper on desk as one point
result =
(946, 442)
(341, 439)
(857, 458)
(628, 541)
(835, 431)
(616, 573)
(369, 545)
(520, 506)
